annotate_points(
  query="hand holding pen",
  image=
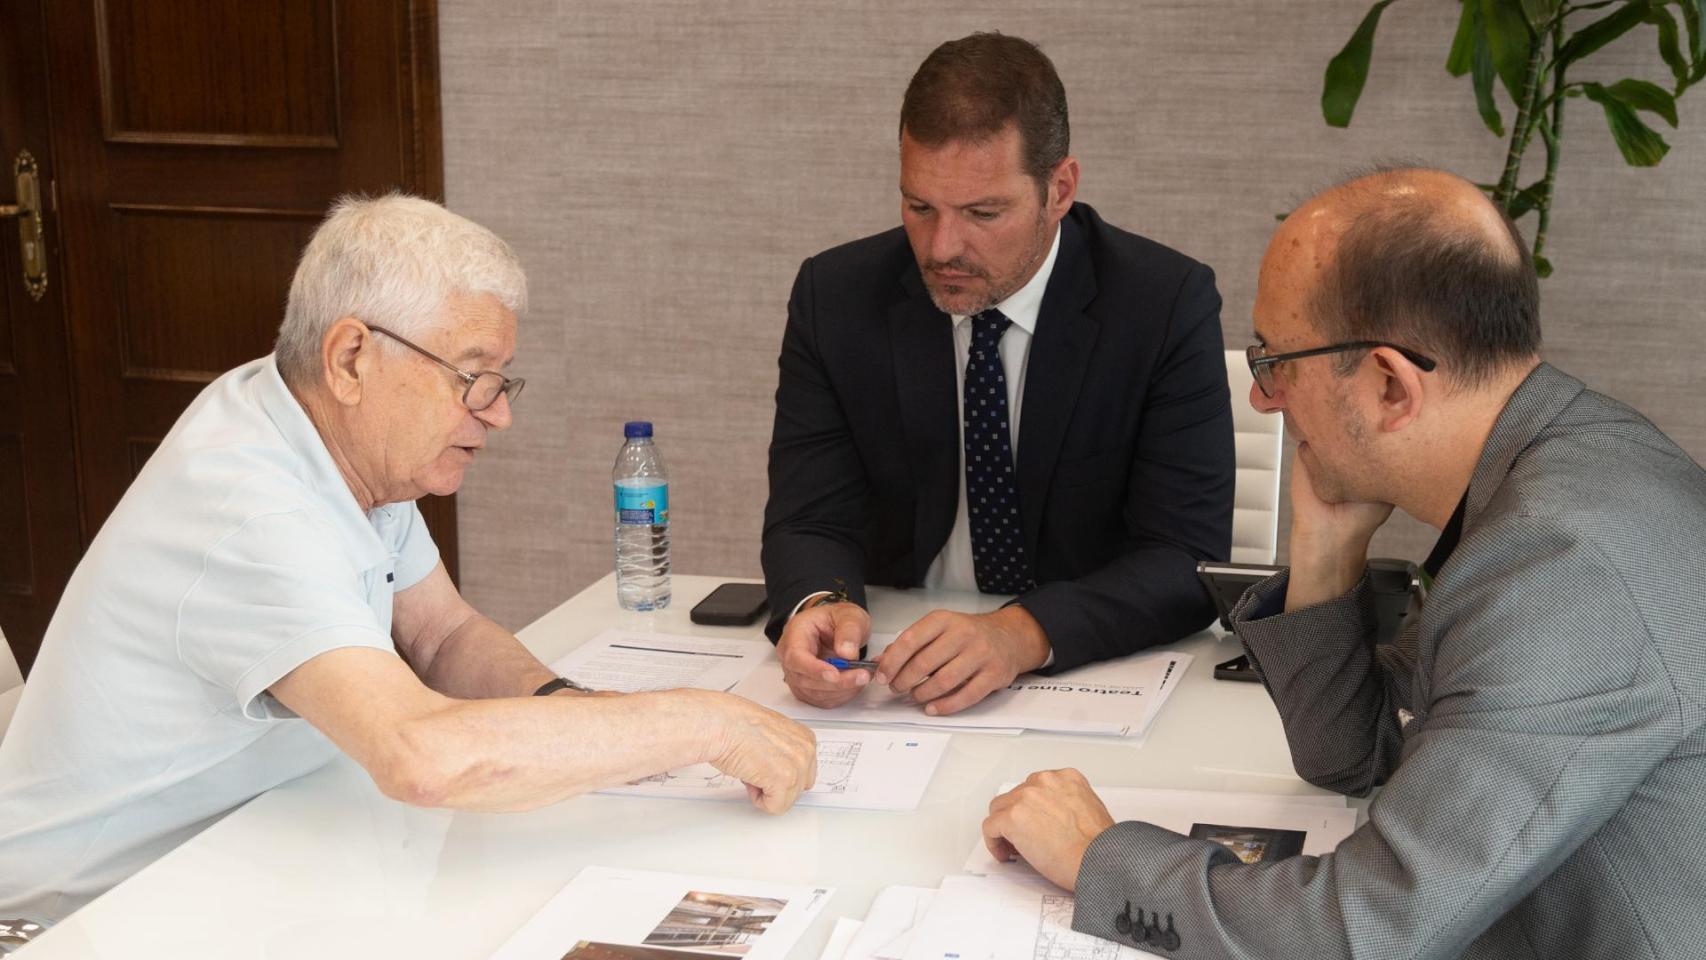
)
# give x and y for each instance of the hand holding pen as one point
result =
(820, 631)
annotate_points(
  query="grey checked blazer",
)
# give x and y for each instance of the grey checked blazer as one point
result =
(1547, 795)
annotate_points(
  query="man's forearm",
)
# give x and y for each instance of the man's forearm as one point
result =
(480, 660)
(798, 565)
(1330, 689)
(1322, 571)
(517, 755)
(1144, 597)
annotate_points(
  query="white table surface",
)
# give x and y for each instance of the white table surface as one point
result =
(327, 867)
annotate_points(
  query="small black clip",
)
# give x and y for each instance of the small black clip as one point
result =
(391, 578)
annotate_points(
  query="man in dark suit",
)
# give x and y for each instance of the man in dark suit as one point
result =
(1539, 725)
(1004, 394)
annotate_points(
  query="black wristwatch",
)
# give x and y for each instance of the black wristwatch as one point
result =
(560, 683)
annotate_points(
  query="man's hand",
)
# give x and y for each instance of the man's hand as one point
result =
(1329, 541)
(1050, 820)
(828, 629)
(775, 757)
(949, 661)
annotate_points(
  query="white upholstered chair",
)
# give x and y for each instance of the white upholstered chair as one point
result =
(11, 684)
(1260, 437)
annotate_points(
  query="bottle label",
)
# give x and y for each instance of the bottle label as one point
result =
(644, 505)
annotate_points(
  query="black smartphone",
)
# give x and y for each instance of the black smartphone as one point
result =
(731, 605)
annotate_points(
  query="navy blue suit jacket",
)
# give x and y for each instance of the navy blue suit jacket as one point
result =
(1125, 455)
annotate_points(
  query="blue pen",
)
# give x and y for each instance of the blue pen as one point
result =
(841, 664)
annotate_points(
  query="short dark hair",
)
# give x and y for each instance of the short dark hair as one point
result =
(971, 88)
(1410, 273)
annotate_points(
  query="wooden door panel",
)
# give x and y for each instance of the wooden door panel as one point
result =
(8, 352)
(209, 142)
(39, 533)
(17, 567)
(201, 290)
(140, 449)
(258, 73)
(193, 149)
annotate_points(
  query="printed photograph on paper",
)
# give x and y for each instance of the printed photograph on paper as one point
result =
(1252, 844)
(722, 924)
(593, 950)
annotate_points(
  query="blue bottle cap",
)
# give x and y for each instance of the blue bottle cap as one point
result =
(637, 428)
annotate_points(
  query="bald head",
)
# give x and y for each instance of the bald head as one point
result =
(1447, 204)
(1415, 257)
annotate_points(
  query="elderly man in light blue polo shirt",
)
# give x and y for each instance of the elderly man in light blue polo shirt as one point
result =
(266, 593)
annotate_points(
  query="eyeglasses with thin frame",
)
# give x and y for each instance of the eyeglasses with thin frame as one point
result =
(1262, 365)
(483, 387)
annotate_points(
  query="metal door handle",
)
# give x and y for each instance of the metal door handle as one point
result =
(32, 245)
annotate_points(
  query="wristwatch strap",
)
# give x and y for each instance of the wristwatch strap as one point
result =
(560, 683)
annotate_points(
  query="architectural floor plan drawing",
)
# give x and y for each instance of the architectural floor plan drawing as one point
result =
(836, 761)
(998, 918)
(865, 769)
(1056, 940)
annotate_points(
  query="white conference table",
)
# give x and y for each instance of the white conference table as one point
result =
(326, 866)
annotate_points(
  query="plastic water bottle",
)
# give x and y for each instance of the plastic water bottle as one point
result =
(642, 522)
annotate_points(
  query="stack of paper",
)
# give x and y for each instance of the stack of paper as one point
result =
(636, 662)
(886, 931)
(611, 914)
(1117, 698)
(1006, 911)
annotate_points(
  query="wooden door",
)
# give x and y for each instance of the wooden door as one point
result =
(40, 536)
(198, 145)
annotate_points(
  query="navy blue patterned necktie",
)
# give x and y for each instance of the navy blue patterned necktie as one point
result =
(992, 489)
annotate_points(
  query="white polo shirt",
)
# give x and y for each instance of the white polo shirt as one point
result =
(238, 554)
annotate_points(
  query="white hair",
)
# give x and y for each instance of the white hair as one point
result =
(393, 261)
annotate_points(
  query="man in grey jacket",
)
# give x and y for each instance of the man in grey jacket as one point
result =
(1540, 725)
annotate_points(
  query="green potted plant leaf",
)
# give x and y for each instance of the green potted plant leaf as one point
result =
(1528, 47)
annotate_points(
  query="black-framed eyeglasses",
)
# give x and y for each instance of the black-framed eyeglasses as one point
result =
(1262, 365)
(483, 387)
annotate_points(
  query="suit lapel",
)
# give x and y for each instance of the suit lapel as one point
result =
(1061, 349)
(922, 343)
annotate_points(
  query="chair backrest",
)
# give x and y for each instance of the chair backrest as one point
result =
(11, 684)
(1259, 439)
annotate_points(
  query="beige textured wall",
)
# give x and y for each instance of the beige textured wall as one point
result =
(663, 168)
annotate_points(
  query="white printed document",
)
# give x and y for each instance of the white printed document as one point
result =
(1003, 918)
(845, 930)
(1116, 698)
(612, 914)
(887, 931)
(859, 769)
(1255, 827)
(631, 662)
